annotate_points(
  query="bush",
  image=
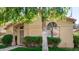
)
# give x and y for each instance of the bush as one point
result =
(7, 39)
(54, 41)
(36, 41)
(76, 41)
(32, 41)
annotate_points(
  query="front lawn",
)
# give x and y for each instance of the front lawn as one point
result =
(61, 49)
(40, 49)
(27, 49)
(2, 46)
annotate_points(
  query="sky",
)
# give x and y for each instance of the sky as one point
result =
(75, 13)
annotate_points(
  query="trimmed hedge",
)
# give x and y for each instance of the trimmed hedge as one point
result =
(7, 39)
(36, 41)
(76, 41)
(32, 41)
(54, 41)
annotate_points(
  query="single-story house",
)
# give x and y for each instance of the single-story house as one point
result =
(62, 29)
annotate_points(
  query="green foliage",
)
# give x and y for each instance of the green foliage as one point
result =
(32, 40)
(76, 41)
(2, 15)
(59, 13)
(45, 12)
(2, 46)
(26, 14)
(7, 39)
(76, 33)
(37, 40)
(54, 41)
(30, 12)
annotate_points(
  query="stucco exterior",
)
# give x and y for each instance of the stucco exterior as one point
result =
(35, 29)
(66, 34)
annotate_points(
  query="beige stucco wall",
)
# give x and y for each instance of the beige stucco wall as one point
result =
(9, 30)
(33, 29)
(66, 35)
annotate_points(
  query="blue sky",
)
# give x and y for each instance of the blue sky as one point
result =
(75, 13)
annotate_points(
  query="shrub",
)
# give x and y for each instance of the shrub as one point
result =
(54, 41)
(30, 41)
(76, 41)
(7, 39)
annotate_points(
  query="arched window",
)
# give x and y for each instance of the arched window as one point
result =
(52, 29)
(51, 25)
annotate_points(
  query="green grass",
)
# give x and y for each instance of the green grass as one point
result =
(61, 49)
(27, 49)
(2, 46)
(40, 49)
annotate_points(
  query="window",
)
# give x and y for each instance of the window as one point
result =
(53, 29)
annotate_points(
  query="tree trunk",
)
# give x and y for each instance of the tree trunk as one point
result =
(44, 36)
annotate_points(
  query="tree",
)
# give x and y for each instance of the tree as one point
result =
(26, 15)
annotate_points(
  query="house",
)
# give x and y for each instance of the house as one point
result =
(62, 29)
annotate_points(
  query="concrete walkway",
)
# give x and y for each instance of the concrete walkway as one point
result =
(9, 48)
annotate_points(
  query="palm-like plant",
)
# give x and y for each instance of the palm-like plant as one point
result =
(26, 15)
